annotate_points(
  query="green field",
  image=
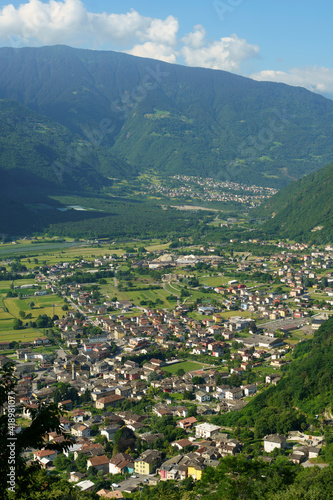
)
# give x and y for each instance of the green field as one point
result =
(53, 253)
(187, 366)
(43, 305)
(10, 309)
(137, 296)
(25, 335)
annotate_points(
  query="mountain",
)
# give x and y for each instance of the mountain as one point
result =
(146, 114)
(32, 150)
(303, 210)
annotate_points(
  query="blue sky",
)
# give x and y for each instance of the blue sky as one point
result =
(277, 40)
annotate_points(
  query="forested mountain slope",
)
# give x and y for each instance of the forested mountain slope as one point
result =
(302, 210)
(305, 390)
(172, 118)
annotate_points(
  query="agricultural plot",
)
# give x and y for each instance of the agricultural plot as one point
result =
(213, 280)
(52, 253)
(187, 366)
(43, 305)
(137, 296)
(231, 314)
(7, 334)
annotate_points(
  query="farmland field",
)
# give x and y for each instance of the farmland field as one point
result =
(136, 296)
(43, 305)
(7, 334)
(187, 366)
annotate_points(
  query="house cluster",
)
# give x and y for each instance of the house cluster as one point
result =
(300, 452)
(203, 449)
(213, 190)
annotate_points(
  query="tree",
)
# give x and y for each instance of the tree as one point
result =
(18, 324)
(198, 380)
(235, 380)
(45, 418)
(181, 372)
(31, 305)
(61, 462)
(187, 395)
(152, 376)
(81, 462)
(94, 429)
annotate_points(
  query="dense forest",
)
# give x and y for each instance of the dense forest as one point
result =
(303, 210)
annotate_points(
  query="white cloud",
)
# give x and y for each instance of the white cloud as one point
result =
(228, 53)
(312, 78)
(50, 23)
(162, 41)
(163, 31)
(196, 39)
(155, 51)
(68, 20)
(37, 22)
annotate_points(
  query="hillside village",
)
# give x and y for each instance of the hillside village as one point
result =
(139, 383)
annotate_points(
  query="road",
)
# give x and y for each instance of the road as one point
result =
(133, 483)
(115, 281)
(280, 323)
(310, 464)
(171, 293)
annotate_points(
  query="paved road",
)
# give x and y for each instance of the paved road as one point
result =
(280, 323)
(171, 293)
(132, 482)
(310, 464)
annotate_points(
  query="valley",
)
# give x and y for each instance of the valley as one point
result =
(168, 338)
(166, 280)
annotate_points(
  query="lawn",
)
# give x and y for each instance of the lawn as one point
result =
(231, 314)
(213, 280)
(43, 305)
(187, 366)
(157, 246)
(136, 296)
(25, 335)
(5, 315)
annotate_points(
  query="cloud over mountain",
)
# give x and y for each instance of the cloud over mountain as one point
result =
(311, 77)
(69, 22)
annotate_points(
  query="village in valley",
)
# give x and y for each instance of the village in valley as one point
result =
(145, 346)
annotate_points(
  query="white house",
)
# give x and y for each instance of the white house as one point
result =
(274, 441)
(206, 430)
(234, 393)
(80, 430)
(202, 396)
(86, 485)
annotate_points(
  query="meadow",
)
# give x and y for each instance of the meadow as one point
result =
(10, 309)
(187, 366)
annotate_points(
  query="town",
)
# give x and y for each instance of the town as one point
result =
(145, 347)
(199, 189)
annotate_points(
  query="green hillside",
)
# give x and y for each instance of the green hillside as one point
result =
(32, 151)
(171, 118)
(303, 210)
(305, 390)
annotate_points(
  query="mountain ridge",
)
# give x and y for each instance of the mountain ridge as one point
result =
(173, 118)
